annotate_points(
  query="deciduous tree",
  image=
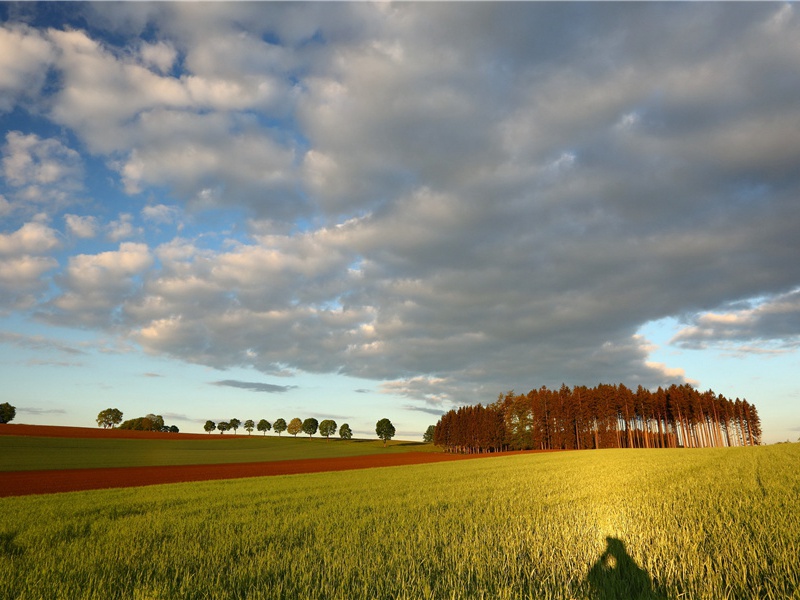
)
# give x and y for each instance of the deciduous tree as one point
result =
(234, 424)
(310, 426)
(109, 417)
(327, 428)
(279, 426)
(249, 425)
(295, 426)
(264, 425)
(223, 427)
(7, 412)
(210, 426)
(428, 435)
(345, 432)
(385, 430)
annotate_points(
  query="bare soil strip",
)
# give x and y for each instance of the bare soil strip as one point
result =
(94, 433)
(22, 483)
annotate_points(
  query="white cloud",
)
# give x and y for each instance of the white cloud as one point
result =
(82, 226)
(31, 238)
(95, 285)
(161, 55)
(41, 171)
(123, 228)
(24, 59)
(770, 325)
(161, 214)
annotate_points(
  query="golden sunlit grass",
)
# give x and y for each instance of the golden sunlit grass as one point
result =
(700, 524)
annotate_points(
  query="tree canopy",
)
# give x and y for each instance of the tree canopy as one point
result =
(327, 428)
(264, 425)
(385, 430)
(7, 412)
(295, 426)
(310, 426)
(109, 417)
(606, 416)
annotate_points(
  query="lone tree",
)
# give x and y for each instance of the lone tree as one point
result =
(210, 426)
(249, 426)
(264, 425)
(295, 426)
(385, 430)
(310, 426)
(327, 428)
(428, 435)
(109, 417)
(7, 412)
(234, 424)
(345, 432)
(279, 427)
(223, 427)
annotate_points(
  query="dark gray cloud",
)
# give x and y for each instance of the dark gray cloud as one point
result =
(255, 386)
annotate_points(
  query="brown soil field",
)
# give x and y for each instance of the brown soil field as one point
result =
(96, 432)
(22, 483)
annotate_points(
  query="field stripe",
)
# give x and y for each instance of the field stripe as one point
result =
(23, 483)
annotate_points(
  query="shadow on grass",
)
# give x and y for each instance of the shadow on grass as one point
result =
(616, 576)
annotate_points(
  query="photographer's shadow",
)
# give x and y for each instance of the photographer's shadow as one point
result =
(616, 576)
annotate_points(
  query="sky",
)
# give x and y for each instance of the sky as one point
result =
(361, 210)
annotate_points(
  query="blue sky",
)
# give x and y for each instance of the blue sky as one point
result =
(358, 211)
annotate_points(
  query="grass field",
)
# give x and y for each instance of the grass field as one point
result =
(698, 524)
(20, 453)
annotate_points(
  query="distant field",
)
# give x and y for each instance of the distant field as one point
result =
(648, 524)
(23, 453)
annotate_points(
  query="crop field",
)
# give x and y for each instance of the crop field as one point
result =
(650, 524)
(29, 453)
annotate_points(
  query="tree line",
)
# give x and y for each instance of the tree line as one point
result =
(606, 416)
(310, 426)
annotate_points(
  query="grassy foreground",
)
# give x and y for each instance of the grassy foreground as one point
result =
(20, 453)
(700, 524)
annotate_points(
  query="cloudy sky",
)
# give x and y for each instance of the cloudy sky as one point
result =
(357, 211)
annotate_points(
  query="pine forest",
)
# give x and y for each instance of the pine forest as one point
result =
(606, 416)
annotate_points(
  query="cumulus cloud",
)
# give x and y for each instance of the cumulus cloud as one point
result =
(23, 264)
(771, 324)
(96, 285)
(82, 226)
(41, 171)
(504, 215)
(24, 58)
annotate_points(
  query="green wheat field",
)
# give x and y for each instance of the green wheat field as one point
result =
(673, 524)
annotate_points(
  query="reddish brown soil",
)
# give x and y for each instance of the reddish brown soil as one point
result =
(21, 483)
(96, 432)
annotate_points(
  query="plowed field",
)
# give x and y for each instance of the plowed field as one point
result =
(21, 483)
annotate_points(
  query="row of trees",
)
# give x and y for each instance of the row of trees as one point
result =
(606, 416)
(310, 426)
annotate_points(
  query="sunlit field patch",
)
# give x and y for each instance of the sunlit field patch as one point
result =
(721, 523)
